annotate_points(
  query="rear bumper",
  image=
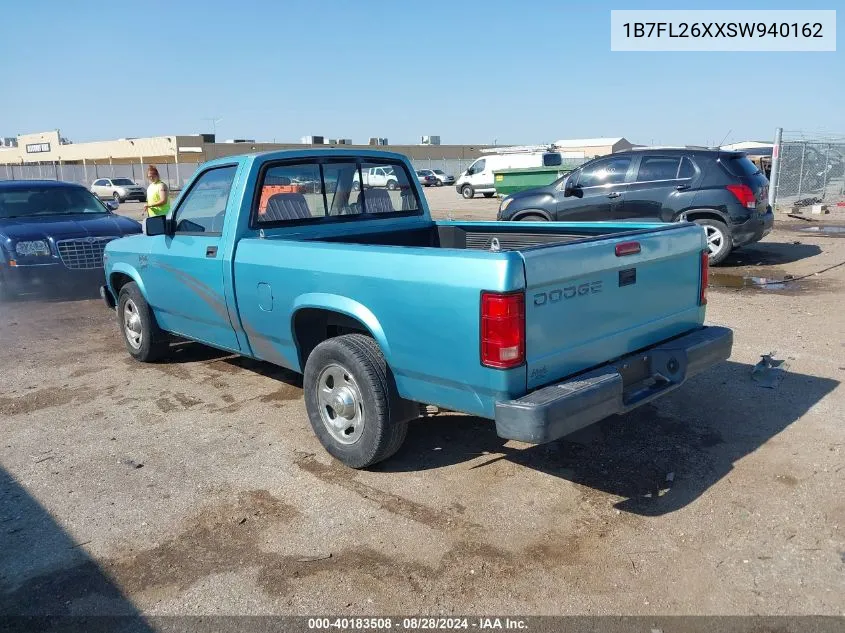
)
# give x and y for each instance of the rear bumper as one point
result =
(753, 230)
(552, 412)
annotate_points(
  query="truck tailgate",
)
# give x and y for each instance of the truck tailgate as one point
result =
(586, 305)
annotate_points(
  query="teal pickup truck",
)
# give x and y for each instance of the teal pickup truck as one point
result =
(543, 327)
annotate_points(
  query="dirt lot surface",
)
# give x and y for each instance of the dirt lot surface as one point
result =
(197, 486)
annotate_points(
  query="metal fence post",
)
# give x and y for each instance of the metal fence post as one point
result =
(801, 170)
(826, 163)
(773, 185)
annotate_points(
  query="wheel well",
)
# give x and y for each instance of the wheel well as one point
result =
(118, 280)
(702, 215)
(522, 214)
(312, 326)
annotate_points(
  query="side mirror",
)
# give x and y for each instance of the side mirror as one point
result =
(155, 225)
(112, 205)
(569, 189)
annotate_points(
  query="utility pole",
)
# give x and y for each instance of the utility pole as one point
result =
(214, 122)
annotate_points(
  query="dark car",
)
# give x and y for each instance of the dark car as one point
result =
(52, 236)
(722, 191)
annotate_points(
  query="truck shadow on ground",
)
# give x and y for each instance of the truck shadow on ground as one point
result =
(55, 295)
(47, 580)
(658, 458)
(769, 254)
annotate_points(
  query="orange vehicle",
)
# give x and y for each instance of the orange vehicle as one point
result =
(274, 186)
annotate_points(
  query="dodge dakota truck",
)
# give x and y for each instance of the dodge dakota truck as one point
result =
(542, 327)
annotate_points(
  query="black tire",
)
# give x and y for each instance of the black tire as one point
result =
(365, 373)
(716, 230)
(356, 186)
(533, 217)
(467, 192)
(439, 183)
(153, 343)
(391, 185)
(116, 197)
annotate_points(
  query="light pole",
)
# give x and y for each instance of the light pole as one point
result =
(214, 122)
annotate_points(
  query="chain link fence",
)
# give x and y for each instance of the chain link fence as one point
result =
(174, 175)
(811, 170)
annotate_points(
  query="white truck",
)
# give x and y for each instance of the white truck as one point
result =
(377, 177)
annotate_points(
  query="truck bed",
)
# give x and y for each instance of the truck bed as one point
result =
(480, 235)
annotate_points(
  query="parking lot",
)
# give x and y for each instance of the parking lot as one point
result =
(197, 486)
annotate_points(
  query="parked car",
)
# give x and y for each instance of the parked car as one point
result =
(544, 328)
(426, 177)
(52, 236)
(443, 178)
(722, 191)
(119, 189)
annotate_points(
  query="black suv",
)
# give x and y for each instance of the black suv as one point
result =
(722, 191)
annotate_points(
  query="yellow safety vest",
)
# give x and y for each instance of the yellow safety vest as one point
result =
(155, 192)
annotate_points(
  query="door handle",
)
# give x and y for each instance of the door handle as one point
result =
(211, 251)
(613, 194)
(681, 187)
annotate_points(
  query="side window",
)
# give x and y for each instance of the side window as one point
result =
(552, 160)
(658, 168)
(204, 206)
(98, 183)
(686, 170)
(478, 166)
(606, 171)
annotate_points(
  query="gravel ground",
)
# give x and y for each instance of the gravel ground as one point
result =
(198, 487)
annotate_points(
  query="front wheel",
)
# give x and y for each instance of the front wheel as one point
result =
(348, 390)
(718, 239)
(144, 340)
(533, 217)
(467, 192)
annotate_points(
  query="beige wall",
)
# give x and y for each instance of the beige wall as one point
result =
(163, 149)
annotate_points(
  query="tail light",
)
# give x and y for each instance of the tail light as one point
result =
(627, 248)
(744, 194)
(705, 278)
(502, 329)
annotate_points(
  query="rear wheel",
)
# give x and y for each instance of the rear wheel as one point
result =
(718, 239)
(356, 186)
(144, 340)
(116, 197)
(467, 192)
(439, 183)
(348, 390)
(391, 185)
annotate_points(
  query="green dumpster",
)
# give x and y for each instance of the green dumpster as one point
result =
(508, 181)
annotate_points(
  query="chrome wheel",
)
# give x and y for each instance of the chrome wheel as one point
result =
(132, 324)
(715, 239)
(341, 404)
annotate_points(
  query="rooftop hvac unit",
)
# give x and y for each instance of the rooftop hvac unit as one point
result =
(344, 141)
(312, 140)
(376, 140)
(430, 140)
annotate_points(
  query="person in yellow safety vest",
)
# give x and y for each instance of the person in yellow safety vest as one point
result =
(158, 196)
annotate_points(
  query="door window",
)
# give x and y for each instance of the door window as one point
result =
(203, 209)
(658, 168)
(100, 183)
(478, 167)
(606, 171)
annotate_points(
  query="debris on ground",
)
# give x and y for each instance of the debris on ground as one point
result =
(314, 559)
(769, 371)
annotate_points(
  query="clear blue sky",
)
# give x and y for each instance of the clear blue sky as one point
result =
(471, 71)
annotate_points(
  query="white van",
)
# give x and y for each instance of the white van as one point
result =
(479, 177)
